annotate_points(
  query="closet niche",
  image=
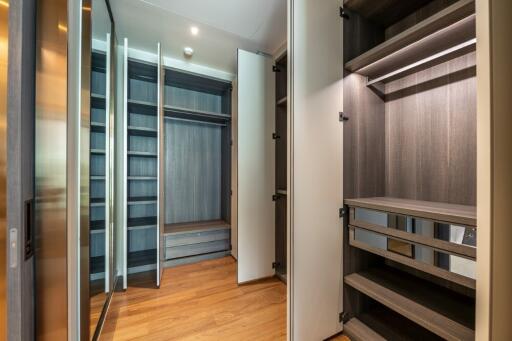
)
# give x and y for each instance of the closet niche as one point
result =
(197, 162)
(409, 170)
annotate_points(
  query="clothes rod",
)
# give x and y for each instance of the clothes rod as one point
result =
(195, 121)
(438, 55)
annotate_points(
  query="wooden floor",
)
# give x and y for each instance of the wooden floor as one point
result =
(199, 302)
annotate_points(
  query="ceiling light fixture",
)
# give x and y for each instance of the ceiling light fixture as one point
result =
(4, 3)
(194, 30)
(188, 51)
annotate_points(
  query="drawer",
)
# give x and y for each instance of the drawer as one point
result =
(196, 249)
(437, 262)
(172, 240)
(456, 239)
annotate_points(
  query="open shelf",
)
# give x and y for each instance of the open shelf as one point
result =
(142, 200)
(144, 221)
(144, 154)
(179, 228)
(444, 312)
(451, 27)
(142, 131)
(195, 115)
(142, 178)
(149, 105)
(379, 323)
(97, 225)
(442, 212)
(141, 258)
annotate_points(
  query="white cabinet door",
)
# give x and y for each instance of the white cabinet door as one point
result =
(256, 173)
(125, 166)
(316, 137)
(160, 242)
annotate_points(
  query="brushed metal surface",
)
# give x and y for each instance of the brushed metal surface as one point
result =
(4, 39)
(50, 170)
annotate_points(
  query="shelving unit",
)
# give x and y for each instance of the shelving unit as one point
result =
(142, 164)
(97, 166)
(280, 138)
(410, 189)
(435, 308)
(448, 33)
(197, 167)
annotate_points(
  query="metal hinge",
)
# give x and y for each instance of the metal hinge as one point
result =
(275, 197)
(343, 211)
(343, 117)
(343, 14)
(275, 136)
(342, 316)
(275, 68)
(275, 265)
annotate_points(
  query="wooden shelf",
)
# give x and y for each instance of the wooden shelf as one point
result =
(441, 311)
(142, 200)
(442, 212)
(195, 115)
(142, 131)
(358, 331)
(450, 27)
(144, 154)
(142, 178)
(180, 228)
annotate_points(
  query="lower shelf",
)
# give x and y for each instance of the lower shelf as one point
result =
(379, 323)
(141, 258)
(448, 314)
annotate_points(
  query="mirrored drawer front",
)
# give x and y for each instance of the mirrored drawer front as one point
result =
(452, 238)
(437, 262)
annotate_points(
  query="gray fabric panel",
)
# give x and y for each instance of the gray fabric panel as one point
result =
(141, 210)
(142, 144)
(97, 140)
(141, 166)
(142, 91)
(139, 240)
(192, 171)
(190, 99)
(142, 121)
(98, 83)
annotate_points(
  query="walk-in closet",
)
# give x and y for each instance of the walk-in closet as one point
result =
(409, 153)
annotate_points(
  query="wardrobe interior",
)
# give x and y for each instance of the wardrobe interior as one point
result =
(183, 134)
(409, 154)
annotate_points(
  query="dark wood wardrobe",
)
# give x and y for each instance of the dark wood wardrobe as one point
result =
(409, 127)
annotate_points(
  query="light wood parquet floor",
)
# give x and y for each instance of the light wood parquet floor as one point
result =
(199, 301)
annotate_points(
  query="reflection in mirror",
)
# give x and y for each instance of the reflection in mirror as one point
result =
(461, 235)
(100, 238)
(421, 253)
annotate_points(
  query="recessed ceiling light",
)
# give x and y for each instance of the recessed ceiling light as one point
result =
(194, 30)
(188, 51)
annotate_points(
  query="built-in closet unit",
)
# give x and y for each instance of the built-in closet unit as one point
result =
(409, 174)
(281, 141)
(98, 171)
(142, 168)
(197, 162)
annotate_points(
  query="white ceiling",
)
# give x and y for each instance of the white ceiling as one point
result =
(224, 26)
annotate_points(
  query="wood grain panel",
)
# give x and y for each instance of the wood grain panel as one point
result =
(193, 171)
(363, 139)
(431, 134)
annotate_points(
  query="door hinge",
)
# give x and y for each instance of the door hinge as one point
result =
(275, 197)
(342, 212)
(275, 136)
(275, 68)
(275, 265)
(342, 317)
(343, 14)
(343, 117)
